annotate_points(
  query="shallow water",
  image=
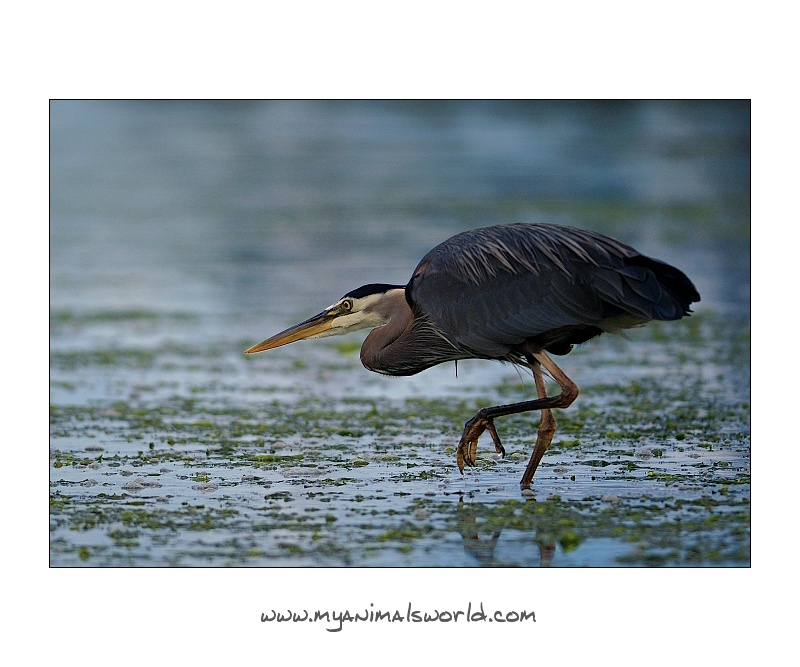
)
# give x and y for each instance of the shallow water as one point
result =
(182, 233)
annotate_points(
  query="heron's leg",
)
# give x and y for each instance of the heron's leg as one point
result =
(484, 419)
(547, 427)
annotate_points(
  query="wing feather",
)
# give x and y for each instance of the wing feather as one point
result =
(491, 289)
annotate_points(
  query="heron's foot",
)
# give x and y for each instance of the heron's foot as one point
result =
(468, 445)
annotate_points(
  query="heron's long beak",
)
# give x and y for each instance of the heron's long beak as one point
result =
(311, 327)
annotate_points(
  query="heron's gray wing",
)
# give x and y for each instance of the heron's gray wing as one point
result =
(490, 289)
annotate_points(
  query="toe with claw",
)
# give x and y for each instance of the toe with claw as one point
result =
(468, 445)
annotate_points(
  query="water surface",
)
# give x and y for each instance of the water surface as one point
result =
(182, 233)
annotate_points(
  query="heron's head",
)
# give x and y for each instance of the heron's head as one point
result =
(369, 306)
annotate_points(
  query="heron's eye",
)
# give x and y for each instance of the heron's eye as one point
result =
(347, 305)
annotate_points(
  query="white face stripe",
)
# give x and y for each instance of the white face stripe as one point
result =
(352, 321)
(361, 316)
(357, 320)
(359, 304)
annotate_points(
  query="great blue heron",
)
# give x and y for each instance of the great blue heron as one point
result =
(511, 293)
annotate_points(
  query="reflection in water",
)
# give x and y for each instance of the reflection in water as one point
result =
(480, 537)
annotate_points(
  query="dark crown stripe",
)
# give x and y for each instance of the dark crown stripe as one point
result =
(374, 288)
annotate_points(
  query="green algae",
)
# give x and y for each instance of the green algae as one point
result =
(653, 457)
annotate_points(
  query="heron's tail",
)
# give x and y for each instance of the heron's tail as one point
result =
(674, 281)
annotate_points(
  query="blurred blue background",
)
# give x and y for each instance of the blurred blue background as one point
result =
(272, 210)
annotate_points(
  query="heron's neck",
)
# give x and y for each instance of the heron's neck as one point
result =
(394, 309)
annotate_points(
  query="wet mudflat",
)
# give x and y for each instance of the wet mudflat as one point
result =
(171, 454)
(184, 233)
